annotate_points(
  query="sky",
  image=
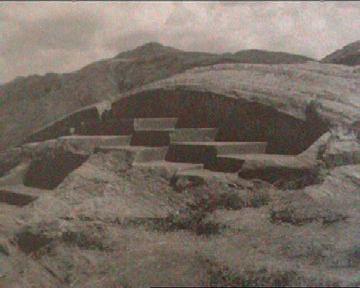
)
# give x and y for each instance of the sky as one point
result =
(42, 37)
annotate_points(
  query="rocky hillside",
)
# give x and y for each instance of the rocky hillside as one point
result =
(31, 102)
(348, 55)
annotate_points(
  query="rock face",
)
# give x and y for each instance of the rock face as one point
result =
(29, 103)
(67, 125)
(42, 165)
(85, 210)
(297, 89)
(343, 148)
(348, 55)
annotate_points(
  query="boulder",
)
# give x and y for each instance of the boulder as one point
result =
(342, 149)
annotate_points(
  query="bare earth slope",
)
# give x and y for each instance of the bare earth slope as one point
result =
(31, 102)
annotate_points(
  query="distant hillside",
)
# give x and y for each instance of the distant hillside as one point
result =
(268, 57)
(348, 55)
(28, 103)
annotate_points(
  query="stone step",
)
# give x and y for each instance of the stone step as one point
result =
(205, 175)
(262, 165)
(206, 152)
(136, 153)
(90, 142)
(190, 178)
(193, 134)
(165, 137)
(170, 168)
(16, 198)
(167, 169)
(154, 124)
(126, 126)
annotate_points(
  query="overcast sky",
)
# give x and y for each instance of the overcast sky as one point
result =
(41, 37)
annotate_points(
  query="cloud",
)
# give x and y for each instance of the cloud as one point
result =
(66, 32)
(41, 37)
(43, 42)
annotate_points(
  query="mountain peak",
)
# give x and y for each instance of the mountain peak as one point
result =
(151, 45)
(148, 49)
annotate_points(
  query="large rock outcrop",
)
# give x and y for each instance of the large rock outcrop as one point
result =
(299, 90)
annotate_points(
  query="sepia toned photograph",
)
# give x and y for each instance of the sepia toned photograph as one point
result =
(179, 144)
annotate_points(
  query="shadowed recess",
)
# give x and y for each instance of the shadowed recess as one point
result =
(13, 198)
(50, 170)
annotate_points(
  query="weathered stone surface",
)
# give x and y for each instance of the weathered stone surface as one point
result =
(9, 159)
(342, 149)
(4, 247)
(16, 175)
(193, 134)
(287, 88)
(335, 199)
(341, 187)
(67, 125)
(271, 167)
(13, 162)
(167, 169)
(88, 143)
(206, 152)
(154, 124)
(201, 176)
(135, 153)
